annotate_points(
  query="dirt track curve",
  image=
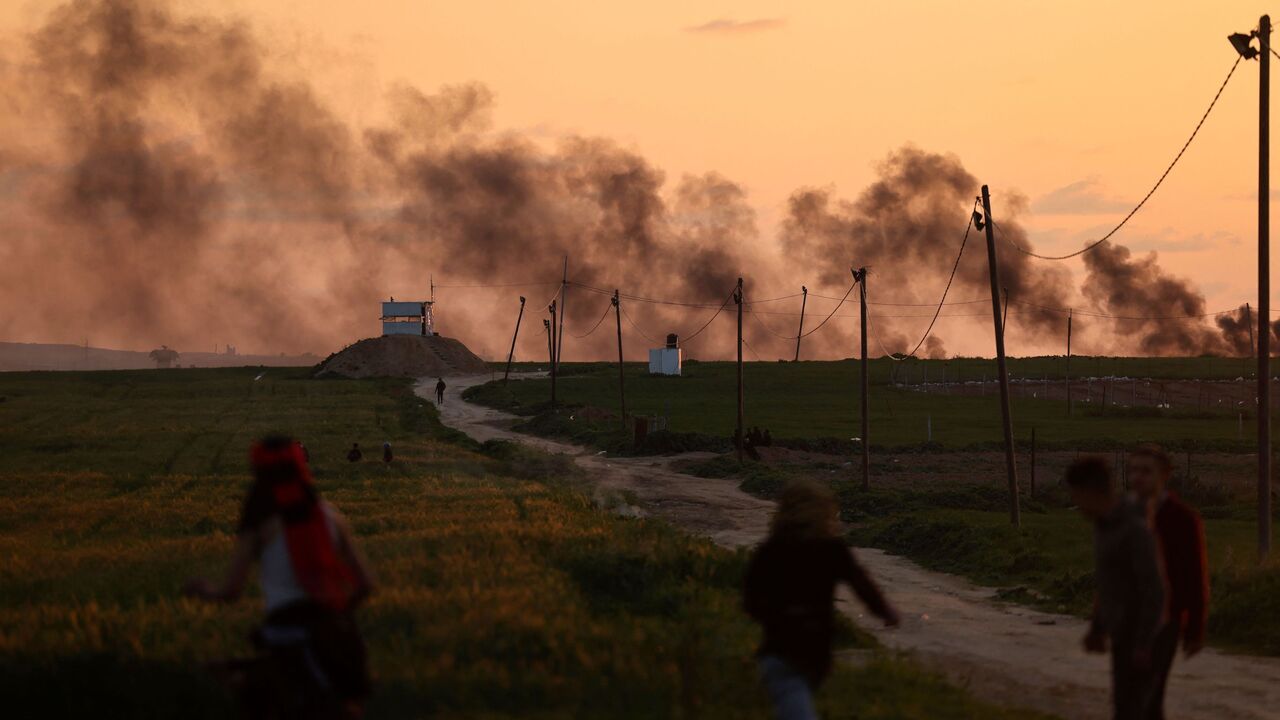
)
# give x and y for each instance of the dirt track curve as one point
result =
(1004, 653)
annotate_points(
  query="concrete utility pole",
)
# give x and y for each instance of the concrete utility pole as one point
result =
(622, 391)
(860, 277)
(552, 340)
(737, 299)
(1011, 463)
(1264, 287)
(514, 335)
(804, 300)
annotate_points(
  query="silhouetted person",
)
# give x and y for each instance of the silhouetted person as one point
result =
(440, 391)
(386, 452)
(790, 590)
(1180, 538)
(1129, 605)
(312, 578)
(355, 455)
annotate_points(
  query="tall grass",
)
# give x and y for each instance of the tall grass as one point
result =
(503, 592)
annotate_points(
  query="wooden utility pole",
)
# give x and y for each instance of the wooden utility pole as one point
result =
(1264, 287)
(1011, 463)
(564, 305)
(741, 438)
(554, 348)
(622, 391)
(804, 300)
(514, 335)
(1070, 313)
(860, 277)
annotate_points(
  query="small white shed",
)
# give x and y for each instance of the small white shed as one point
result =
(666, 360)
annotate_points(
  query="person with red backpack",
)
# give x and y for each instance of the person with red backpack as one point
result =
(313, 577)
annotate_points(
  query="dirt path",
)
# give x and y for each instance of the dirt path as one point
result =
(1004, 653)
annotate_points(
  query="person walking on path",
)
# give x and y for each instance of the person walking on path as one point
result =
(440, 391)
(1179, 535)
(1129, 606)
(312, 577)
(790, 590)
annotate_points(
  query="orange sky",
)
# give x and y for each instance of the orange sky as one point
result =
(1085, 101)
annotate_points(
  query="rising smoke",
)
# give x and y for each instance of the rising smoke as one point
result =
(161, 183)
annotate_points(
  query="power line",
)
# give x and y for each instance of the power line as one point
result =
(498, 285)
(1146, 197)
(603, 315)
(707, 324)
(633, 324)
(955, 266)
(1088, 313)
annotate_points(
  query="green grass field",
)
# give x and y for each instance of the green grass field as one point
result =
(503, 591)
(965, 529)
(813, 400)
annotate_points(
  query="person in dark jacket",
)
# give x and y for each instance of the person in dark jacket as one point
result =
(1180, 538)
(386, 452)
(790, 590)
(354, 455)
(1128, 609)
(440, 386)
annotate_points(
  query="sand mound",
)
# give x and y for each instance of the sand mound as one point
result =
(402, 356)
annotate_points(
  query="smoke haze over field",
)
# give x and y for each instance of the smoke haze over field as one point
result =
(162, 183)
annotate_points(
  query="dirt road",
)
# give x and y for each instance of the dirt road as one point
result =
(1004, 653)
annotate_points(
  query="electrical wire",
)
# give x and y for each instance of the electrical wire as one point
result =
(1089, 313)
(685, 339)
(634, 325)
(1150, 192)
(955, 266)
(603, 315)
(498, 285)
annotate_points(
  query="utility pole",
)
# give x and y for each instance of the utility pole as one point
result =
(622, 391)
(1011, 464)
(1264, 287)
(514, 335)
(804, 300)
(1070, 313)
(564, 304)
(860, 277)
(741, 438)
(554, 349)
(1248, 319)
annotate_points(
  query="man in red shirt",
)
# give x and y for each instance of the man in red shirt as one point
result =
(1180, 536)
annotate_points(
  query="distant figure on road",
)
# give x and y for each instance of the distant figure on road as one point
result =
(1128, 609)
(386, 452)
(1180, 537)
(312, 576)
(440, 391)
(355, 455)
(790, 590)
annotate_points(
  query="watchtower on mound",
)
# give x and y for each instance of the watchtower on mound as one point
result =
(407, 318)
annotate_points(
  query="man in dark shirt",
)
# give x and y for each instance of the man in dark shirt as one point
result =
(790, 590)
(355, 455)
(440, 391)
(1129, 607)
(1180, 538)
